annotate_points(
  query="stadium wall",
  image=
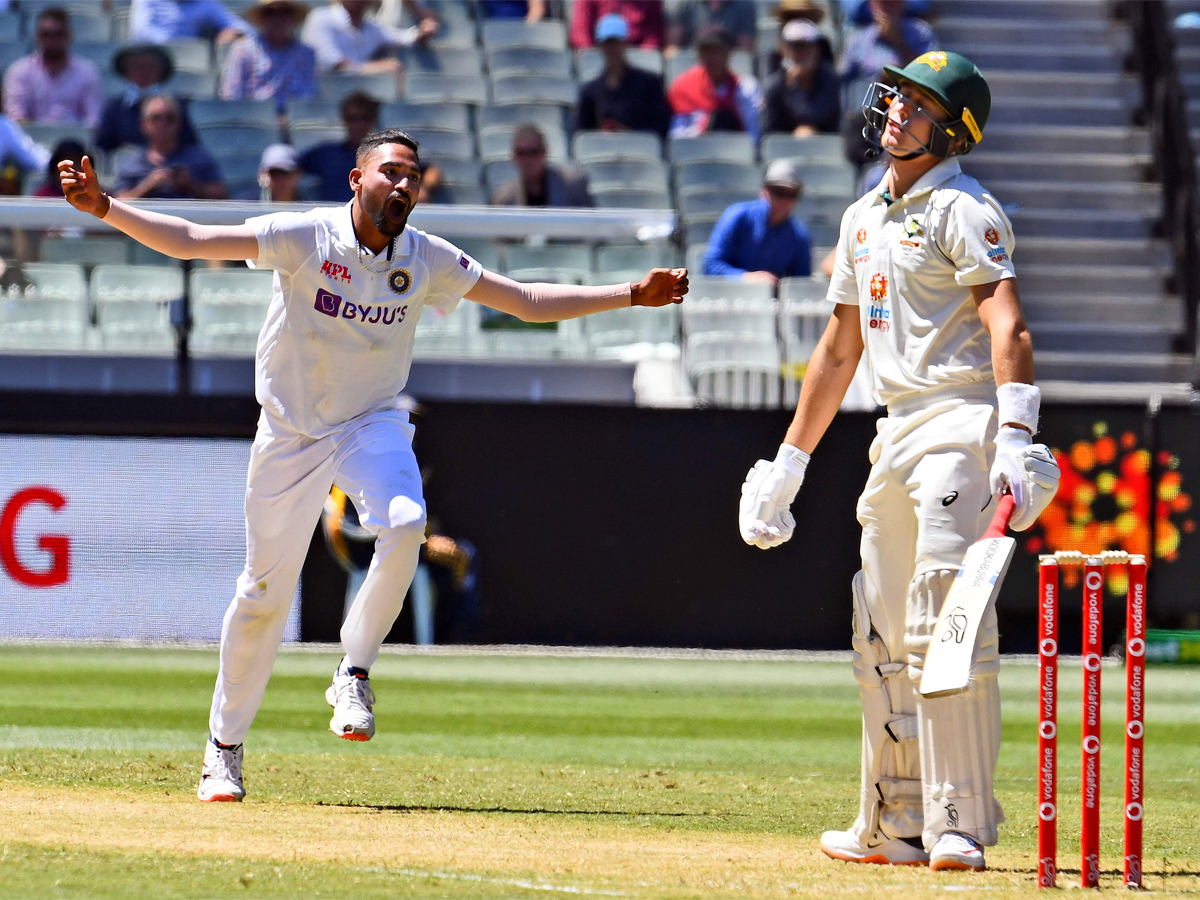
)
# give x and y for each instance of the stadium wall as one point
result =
(594, 524)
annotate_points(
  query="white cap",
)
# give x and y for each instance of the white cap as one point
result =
(783, 172)
(800, 31)
(279, 156)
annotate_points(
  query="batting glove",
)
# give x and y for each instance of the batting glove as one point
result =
(764, 516)
(1028, 470)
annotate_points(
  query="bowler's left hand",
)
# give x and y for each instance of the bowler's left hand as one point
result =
(660, 288)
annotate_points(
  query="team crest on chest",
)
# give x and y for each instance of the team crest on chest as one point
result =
(400, 281)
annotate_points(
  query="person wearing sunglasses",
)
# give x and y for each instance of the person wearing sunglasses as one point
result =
(924, 286)
(761, 240)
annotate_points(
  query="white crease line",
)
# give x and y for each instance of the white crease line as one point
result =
(510, 882)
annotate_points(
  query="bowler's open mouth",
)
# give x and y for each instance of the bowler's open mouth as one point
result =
(394, 209)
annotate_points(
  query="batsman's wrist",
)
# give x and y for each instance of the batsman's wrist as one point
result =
(792, 459)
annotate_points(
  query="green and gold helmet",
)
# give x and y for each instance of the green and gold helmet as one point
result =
(955, 84)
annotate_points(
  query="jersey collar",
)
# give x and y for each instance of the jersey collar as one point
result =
(943, 171)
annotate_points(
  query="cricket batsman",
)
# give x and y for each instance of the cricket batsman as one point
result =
(924, 283)
(332, 359)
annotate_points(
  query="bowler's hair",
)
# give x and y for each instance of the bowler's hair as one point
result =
(385, 136)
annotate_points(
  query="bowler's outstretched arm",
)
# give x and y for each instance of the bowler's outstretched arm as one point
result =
(555, 302)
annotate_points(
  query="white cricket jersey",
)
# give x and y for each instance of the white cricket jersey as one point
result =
(909, 266)
(338, 339)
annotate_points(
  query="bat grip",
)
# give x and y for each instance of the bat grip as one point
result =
(1004, 513)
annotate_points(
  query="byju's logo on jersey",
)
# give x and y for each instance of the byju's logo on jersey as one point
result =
(327, 303)
(878, 315)
(331, 305)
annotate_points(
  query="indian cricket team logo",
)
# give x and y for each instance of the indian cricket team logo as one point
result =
(400, 281)
(935, 59)
(878, 315)
(992, 236)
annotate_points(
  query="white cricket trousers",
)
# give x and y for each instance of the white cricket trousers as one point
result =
(372, 460)
(927, 499)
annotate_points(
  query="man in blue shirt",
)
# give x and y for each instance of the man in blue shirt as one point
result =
(759, 240)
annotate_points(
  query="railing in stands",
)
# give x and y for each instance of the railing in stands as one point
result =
(1174, 158)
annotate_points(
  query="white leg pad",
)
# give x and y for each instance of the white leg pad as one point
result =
(959, 733)
(890, 793)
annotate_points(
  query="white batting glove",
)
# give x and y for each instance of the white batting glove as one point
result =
(764, 516)
(1028, 470)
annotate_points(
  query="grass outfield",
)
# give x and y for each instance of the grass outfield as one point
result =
(496, 776)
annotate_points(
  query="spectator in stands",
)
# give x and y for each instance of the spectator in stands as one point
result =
(858, 12)
(52, 84)
(21, 153)
(790, 11)
(623, 97)
(332, 161)
(712, 97)
(162, 21)
(892, 39)
(539, 184)
(279, 175)
(804, 96)
(529, 10)
(145, 68)
(65, 149)
(167, 168)
(739, 18)
(398, 15)
(346, 41)
(272, 63)
(760, 240)
(644, 19)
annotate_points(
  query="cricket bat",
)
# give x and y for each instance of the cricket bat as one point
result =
(948, 661)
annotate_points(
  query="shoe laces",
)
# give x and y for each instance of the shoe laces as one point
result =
(227, 764)
(357, 691)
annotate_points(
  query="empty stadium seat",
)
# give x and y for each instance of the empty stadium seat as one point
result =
(734, 370)
(518, 33)
(438, 143)
(443, 60)
(645, 174)
(10, 27)
(593, 146)
(590, 61)
(703, 175)
(495, 142)
(133, 307)
(711, 202)
(49, 134)
(635, 325)
(828, 179)
(84, 251)
(616, 260)
(304, 137)
(448, 116)
(517, 60)
(229, 141)
(464, 172)
(443, 334)
(717, 146)
(228, 308)
(99, 54)
(256, 113)
(818, 148)
(51, 314)
(463, 195)
(314, 112)
(729, 306)
(575, 259)
(694, 259)
(193, 85)
(497, 173)
(533, 89)
(804, 313)
(631, 198)
(383, 86)
(423, 87)
(191, 55)
(455, 34)
(541, 115)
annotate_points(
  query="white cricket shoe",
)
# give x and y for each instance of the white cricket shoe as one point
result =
(351, 697)
(221, 777)
(956, 851)
(883, 851)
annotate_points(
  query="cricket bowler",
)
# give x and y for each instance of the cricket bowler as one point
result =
(332, 359)
(924, 283)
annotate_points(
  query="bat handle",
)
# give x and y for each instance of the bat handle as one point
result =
(1004, 513)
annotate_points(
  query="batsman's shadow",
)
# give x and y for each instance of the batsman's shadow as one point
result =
(519, 811)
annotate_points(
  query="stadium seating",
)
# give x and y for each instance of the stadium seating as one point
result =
(643, 174)
(423, 87)
(464, 172)
(804, 312)
(495, 143)
(573, 259)
(254, 113)
(306, 136)
(437, 143)
(524, 88)
(702, 175)
(518, 60)
(595, 146)
(315, 112)
(632, 198)
(133, 307)
(382, 86)
(444, 60)
(10, 28)
(84, 251)
(50, 314)
(545, 117)
(191, 55)
(517, 33)
(228, 309)
(590, 62)
(193, 85)
(447, 116)
(740, 61)
(717, 146)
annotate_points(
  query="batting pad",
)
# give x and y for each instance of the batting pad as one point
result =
(890, 792)
(959, 733)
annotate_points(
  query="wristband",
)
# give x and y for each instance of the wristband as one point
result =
(793, 459)
(1018, 404)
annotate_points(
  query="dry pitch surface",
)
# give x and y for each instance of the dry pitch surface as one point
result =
(518, 777)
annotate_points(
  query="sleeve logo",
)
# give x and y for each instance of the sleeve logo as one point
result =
(327, 304)
(992, 236)
(465, 262)
(861, 236)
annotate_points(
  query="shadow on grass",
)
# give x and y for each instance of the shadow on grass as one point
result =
(535, 811)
